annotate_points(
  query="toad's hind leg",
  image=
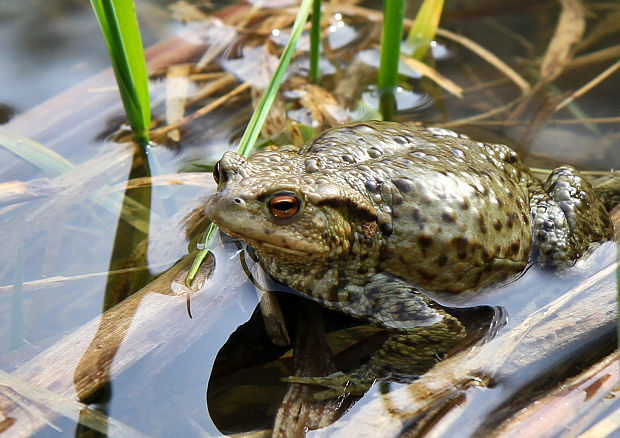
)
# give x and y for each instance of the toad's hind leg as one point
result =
(567, 218)
(420, 333)
(413, 351)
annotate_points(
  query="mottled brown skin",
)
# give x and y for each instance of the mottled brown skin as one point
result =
(386, 210)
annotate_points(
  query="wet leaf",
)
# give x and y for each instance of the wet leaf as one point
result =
(568, 32)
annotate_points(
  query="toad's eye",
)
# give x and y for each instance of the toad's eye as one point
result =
(216, 172)
(284, 205)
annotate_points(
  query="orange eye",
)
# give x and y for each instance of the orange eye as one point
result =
(216, 172)
(283, 206)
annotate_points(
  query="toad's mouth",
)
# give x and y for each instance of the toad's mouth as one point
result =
(269, 243)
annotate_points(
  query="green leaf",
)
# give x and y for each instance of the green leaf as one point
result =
(315, 40)
(424, 27)
(264, 105)
(393, 15)
(119, 26)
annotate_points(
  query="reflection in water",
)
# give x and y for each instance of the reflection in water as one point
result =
(92, 374)
(246, 390)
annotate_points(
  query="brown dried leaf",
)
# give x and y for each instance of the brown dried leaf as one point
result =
(569, 31)
(433, 74)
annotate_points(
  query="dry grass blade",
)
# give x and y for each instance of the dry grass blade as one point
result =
(177, 89)
(603, 55)
(433, 74)
(47, 283)
(464, 41)
(591, 84)
(609, 25)
(568, 32)
(202, 111)
(478, 117)
(488, 57)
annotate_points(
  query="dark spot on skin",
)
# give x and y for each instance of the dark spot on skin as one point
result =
(373, 292)
(526, 219)
(542, 235)
(398, 199)
(386, 229)
(374, 153)
(402, 184)
(509, 220)
(448, 216)
(497, 225)
(384, 255)
(267, 231)
(371, 186)
(348, 158)
(416, 215)
(548, 224)
(461, 254)
(485, 255)
(442, 260)
(400, 139)
(460, 243)
(481, 224)
(515, 247)
(464, 204)
(362, 270)
(425, 241)
(429, 276)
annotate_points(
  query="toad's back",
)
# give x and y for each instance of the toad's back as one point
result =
(453, 213)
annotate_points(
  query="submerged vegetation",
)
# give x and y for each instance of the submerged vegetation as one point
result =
(541, 74)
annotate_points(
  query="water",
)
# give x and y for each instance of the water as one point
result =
(171, 374)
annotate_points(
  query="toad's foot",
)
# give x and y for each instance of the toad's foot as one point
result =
(338, 384)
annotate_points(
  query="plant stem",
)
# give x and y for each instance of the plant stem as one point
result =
(393, 13)
(315, 40)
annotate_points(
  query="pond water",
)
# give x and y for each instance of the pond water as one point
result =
(74, 245)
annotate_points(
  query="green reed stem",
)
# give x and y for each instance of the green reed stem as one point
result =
(117, 19)
(264, 105)
(315, 40)
(393, 15)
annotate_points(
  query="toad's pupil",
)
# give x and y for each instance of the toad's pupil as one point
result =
(284, 206)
